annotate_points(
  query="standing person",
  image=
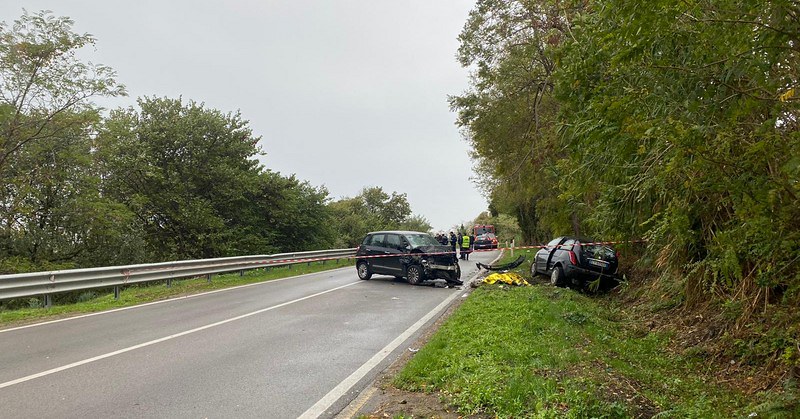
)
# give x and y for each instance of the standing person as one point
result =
(466, 244)
(453, 241)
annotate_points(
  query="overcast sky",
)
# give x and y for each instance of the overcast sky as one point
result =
(344, 93)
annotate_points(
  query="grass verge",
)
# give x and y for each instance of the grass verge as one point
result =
(101, 300)
(542, 351)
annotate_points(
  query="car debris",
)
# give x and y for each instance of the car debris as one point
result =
(504, 267)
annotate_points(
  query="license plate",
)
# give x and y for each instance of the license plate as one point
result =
(597, 262)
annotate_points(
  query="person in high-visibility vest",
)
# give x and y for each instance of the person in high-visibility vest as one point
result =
(466, 244)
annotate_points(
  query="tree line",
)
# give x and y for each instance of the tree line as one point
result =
(169, 179)
(671, 121)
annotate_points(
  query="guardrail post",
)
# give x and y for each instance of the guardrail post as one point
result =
(48, 300)
(241, 272)
(208, 278)
(116, 292)
(512, 248)
(169, 282)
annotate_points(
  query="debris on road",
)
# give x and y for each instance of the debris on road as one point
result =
(503, 268)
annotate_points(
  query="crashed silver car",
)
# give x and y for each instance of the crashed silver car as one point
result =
(413, 255)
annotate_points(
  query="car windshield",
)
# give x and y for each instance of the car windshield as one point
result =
(417, 240)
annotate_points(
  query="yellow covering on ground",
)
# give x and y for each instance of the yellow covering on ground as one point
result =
(508, 278)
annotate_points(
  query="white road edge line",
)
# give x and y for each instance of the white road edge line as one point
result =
(166, 338)
(340, 390)
(271, 281)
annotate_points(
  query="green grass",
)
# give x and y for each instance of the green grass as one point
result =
(542, 351)
(94, 301)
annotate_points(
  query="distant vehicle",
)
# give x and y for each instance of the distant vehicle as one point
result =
(575, 260)
(486, 241)
(413, 255)
(478, 229)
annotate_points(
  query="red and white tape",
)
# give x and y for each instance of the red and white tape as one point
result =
(127, 273)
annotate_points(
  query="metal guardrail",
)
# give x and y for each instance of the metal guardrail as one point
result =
(53, 282)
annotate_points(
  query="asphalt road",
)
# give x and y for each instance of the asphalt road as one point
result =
(302, 346)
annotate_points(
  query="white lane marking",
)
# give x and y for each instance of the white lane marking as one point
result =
(340, 390)
(271, 281)
(166, 338)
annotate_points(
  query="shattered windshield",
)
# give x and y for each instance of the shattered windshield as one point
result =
(417, 240)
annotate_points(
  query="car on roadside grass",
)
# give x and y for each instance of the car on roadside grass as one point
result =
(571, 260)
(413, 255)
(486, 241)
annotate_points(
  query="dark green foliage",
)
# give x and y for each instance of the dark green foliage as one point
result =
(191, 177)
(671, 121)
(52, 215)
(184, 171)
(373, 209)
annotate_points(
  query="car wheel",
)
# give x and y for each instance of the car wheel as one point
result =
(557, 277)
(414, 274)
(534, 272)
(363, 270)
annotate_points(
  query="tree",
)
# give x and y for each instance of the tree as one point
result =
(509, 114)
(416, 223)
(291, 215)
(51, 212)
(373, 209)
(44, 88)
(187, 172)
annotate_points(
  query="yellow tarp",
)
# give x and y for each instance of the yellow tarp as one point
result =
(507, 278)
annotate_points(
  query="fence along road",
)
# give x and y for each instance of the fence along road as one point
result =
(276, 349)
(48, 283)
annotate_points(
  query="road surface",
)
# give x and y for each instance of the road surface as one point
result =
(302, 346)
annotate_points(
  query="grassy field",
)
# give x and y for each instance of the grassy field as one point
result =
(542, 351)
(100, 300)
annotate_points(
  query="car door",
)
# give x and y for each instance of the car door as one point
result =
(561, 253)
(549, 253)
(375, 249)
(394, 246)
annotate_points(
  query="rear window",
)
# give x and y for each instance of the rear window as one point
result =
(598, 251)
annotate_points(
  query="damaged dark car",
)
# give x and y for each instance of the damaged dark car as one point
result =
(413, 255)
(575, 260)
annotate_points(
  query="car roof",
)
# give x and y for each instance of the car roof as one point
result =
(398, 232)
(579, 239)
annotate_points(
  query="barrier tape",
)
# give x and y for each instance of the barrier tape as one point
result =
(450, 252)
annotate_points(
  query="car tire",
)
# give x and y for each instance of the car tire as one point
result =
(534, 272)
(557, 277)
(363, 270)
(414, 274)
